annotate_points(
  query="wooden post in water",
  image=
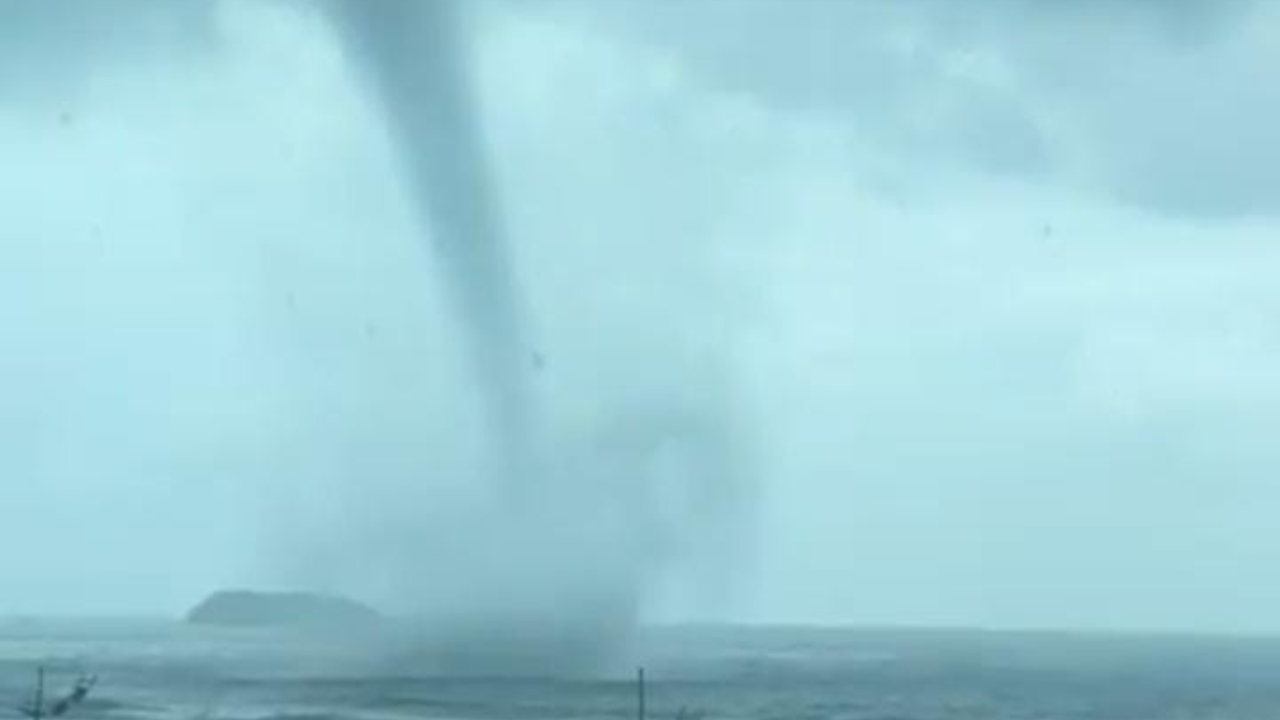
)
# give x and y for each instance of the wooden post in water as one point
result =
(640, 709)
(35, 710)
(39, 703)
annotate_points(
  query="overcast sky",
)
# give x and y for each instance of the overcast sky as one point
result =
(992, 286)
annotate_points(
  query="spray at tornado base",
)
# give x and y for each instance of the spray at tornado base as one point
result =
(563, 553)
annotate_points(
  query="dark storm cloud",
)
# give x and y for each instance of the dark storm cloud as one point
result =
(49, 50)
(1170, 103)
(858, 59)
(1159, 104)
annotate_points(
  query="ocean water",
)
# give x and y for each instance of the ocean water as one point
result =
(166, 671)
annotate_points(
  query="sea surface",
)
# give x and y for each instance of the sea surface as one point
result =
(152, 670)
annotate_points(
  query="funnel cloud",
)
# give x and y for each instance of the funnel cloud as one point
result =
(415, 59)
(561, 556)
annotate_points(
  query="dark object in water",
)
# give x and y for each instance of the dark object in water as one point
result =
(77, 695)
(36, 708)
(244, 608)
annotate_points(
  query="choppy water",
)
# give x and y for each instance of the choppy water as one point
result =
(167, 672)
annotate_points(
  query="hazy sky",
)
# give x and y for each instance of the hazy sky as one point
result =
(992, 286)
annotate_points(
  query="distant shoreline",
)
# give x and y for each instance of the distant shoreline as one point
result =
(162, 619)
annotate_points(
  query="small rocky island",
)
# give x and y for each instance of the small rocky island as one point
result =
(246, 608)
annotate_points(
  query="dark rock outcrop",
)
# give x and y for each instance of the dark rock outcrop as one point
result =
(244, 608)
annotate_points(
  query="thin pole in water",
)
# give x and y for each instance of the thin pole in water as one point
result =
(640, 710)
(37, 707)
